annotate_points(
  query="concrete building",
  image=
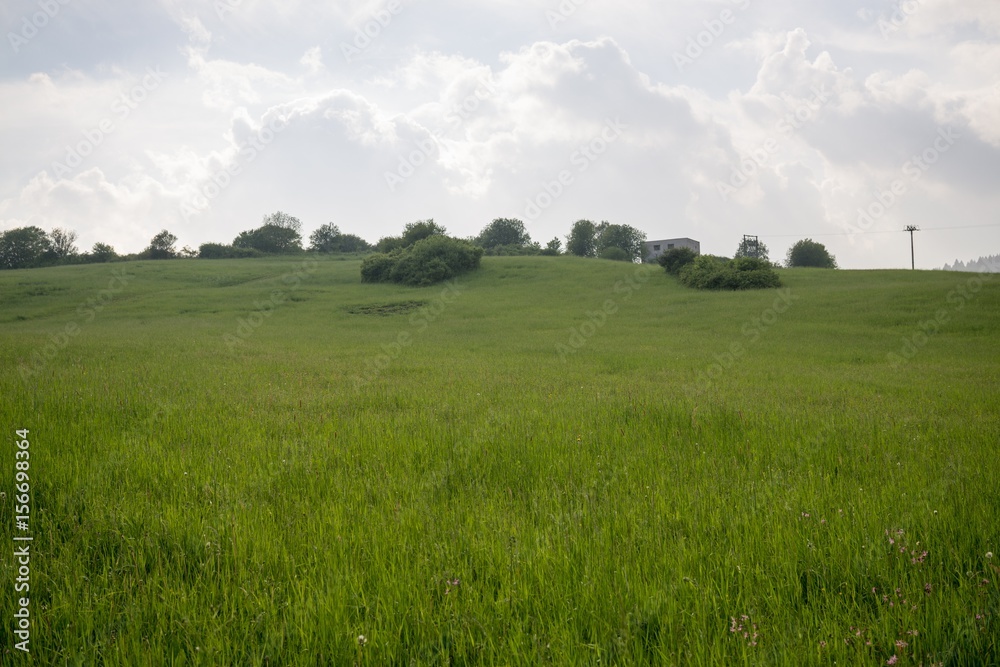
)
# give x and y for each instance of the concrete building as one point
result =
(656, 248)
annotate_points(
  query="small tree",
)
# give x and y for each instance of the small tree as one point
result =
(676, 259)
(281, 219)
(504, 232)
(751, 247)
(273, 239)
(582, 239)
(325, 239)
(810, 253)
(352, 243)
(102, 252)
(329, 239)
(23, 247)
(413, 232)
(553, 247)
(420, 230)
(389, 243)
(629, 239)
(161, 246)
(63, 243)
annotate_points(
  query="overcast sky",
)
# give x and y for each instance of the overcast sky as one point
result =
(707, 120)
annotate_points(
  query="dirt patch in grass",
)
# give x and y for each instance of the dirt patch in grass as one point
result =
(394, 308)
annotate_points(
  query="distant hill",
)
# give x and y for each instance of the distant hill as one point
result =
(989, 264)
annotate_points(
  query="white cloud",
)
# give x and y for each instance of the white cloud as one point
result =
(312, 60)
(464, 113)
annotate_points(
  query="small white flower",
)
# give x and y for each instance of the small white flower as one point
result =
(989, 554)
(362, 640)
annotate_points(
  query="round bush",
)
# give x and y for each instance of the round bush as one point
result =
(676, 259)
(428, 261)
(738, 274)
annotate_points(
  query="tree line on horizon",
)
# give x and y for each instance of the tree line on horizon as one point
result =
(281, 233)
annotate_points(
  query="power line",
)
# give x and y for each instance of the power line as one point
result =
(877, 231)
(928, 229)
(784, 236)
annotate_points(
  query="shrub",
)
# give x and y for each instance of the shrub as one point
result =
(675, 259)
(615, 253)
(221, 251)
(420, 230)
(708, 272)
(351, 243)
(160, 247)
(101, 252)
(552, 248)
(426, 262)
(810, 253)
(628, 238)
(377, 267)
(270, 239)
(387, 244)
(504, 232)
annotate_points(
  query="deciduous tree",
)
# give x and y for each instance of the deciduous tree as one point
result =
(751, 247)
(161, 246)
(23, 247)
(629, 239)
(582, 239)
(504, 232)
(272, 239)
(63, 243)
(810, 253)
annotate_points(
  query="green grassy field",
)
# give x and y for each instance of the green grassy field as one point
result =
(552, 461)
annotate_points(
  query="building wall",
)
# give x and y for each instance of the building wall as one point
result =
(656, 248)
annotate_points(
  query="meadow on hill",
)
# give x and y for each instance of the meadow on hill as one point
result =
(551, 460)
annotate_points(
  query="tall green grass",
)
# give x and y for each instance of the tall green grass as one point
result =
(482, 498)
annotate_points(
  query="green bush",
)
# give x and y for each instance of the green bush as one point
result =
(377, 267)
(270, 239)
(428, 261)
(711, 273)
(810, 253)
(221, 251)
(675, 259)
(615, 253)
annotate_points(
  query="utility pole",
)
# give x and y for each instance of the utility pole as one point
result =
(913, 262)
(755, 244)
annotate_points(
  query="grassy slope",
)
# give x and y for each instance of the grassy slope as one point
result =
(268, 502)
